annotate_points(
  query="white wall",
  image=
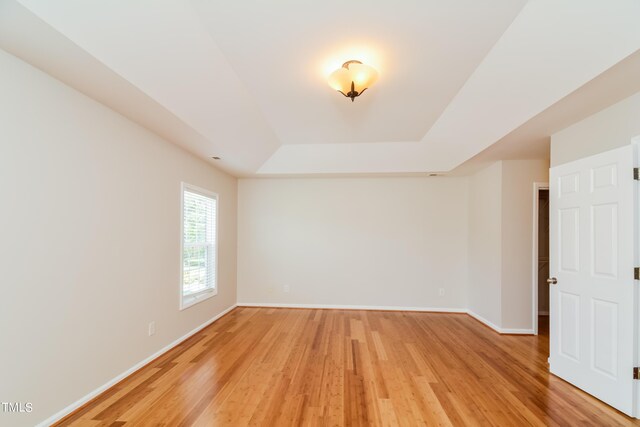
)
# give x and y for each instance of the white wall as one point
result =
(485, 244)
(391, 242)
(90, 242)
(610, 128)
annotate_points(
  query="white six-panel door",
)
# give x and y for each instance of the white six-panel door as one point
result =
(592, 256)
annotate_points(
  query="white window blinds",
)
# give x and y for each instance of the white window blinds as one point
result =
(199, 245)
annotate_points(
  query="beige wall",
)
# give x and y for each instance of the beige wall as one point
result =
(501, 242)
(485, 243)
(610, 128)
(518, 177)
(90, 242)
(391, 242)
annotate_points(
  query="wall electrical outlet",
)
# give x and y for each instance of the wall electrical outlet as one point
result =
(286, 288)
(152, 328)
(441, 292)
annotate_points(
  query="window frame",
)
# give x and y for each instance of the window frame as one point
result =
(193, 299)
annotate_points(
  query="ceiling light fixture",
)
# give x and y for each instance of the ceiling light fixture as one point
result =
(353, 78)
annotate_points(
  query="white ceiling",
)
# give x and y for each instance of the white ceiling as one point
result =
(531, 140)
(283, 55)
(246, 81)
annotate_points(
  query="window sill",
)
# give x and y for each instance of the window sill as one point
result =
(191, 300)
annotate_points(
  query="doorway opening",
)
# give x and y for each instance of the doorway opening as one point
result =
(540, 288)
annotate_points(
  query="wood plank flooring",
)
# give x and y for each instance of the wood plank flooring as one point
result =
(262, 366)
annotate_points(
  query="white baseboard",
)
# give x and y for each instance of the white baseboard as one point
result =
(78, 403)
(483, 320)
(508, 331)
(354, 307)
(393, 308)
(497, 328)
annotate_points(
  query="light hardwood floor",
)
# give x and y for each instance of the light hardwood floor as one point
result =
(261, 366)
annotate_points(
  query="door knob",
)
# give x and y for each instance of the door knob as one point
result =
(552, 280)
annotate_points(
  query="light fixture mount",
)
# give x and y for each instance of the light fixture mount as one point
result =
(353, 78)
(352, 93)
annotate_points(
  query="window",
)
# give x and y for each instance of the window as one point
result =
(199, 245)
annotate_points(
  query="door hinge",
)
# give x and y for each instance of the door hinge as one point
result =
(636, 273)
(636, 174)
(636, 373)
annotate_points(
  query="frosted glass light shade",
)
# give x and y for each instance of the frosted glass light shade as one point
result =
(353, 78)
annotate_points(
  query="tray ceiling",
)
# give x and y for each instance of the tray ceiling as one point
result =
(246, 81)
